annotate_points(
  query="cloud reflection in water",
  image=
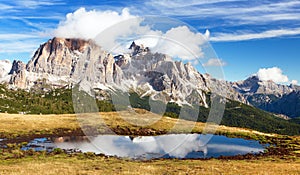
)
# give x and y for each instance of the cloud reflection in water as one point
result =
(177, 146)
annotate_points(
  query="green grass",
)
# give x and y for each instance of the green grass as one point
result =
(59, 101)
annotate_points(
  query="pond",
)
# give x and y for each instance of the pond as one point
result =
(189, 146)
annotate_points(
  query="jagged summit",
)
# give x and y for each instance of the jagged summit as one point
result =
(253, 85)
(138, 49)
(60, 62)
(250, 85)
(57, 52)
(132, 46)
(17, 66)
(269, 96)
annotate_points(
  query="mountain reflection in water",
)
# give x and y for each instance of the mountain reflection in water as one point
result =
(148, 147)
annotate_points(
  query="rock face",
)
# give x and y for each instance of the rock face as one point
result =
(56, 56)
(19, 79)
(17, 66)
(288, 104)
(269, 96)
(18, 74)
(61, 62)
(253, 85)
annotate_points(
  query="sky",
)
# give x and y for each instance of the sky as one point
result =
(259, 37)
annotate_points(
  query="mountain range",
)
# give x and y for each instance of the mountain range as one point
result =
(63, 62)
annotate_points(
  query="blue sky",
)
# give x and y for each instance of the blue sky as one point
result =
(246, 35)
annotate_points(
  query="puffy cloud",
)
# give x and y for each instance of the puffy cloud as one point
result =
(294, 82)
(275, 74)
(117, 38)
(88, 24)
(115, 31)
(181, 42)
(214, 62)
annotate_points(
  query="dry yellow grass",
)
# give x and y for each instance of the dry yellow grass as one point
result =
(14, 123)
(25, 124)
(63, 164)
(99, 165)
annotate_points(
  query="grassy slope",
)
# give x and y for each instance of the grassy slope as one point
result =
(12, 125)
(90, 164)
(62, 164)
(296, 120)
(59, 101)
(240, 115)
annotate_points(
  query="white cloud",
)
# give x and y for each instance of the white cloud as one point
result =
(294, 82)
(5, 7)
(116, 38)
(215, 62)
(14, 42)
(19, 46)
(113, 31)
(251, 36)
(277, 16)
(266, 18)
(88, 24)
(182, 43)
(19, 36)
(184, 3)
(275, 74)
(33, 4)
(200, 8)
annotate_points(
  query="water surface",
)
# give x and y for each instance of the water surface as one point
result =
(147, 147)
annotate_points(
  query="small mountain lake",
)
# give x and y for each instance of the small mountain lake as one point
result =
(190, 146)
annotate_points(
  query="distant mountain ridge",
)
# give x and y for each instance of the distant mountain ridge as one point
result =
(60, 62)
(269, 96)
(253, 85)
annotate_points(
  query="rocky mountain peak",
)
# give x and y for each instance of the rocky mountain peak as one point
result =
(295, 87)
(250, 85)
(138, 49)
(56, 56)
(18, 74)
(269, 96)
(72, 44)
(253, 85)
(17, 66)
(62, 61)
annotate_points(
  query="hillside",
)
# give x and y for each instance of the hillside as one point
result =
(59, 101)
(60, 62)
(44, 85)
(269, 96)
